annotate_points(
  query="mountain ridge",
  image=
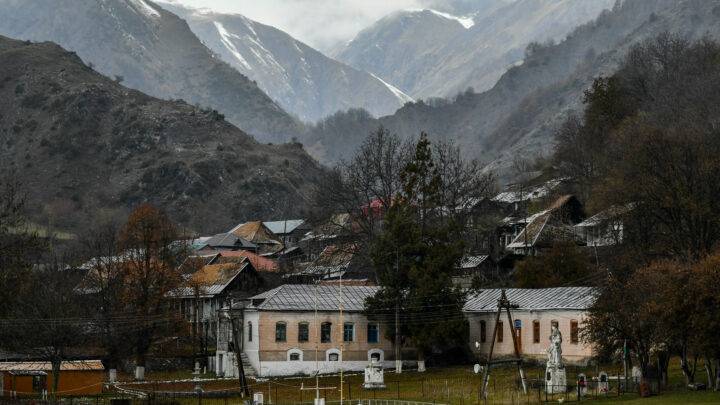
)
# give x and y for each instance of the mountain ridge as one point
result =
(86, 150)
(151, 50)
(300, 78)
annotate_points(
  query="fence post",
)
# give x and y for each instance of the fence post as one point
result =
(349, 391)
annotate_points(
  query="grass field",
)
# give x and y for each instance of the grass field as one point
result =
(449, 385)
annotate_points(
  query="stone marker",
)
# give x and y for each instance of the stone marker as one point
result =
(374, 378)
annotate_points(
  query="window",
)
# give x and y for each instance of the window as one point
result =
(373, 333)
(483, 331)
(348, 332)
(536, 331)
(333, 357)
(249, 331)
(325, 332)
(280, 332)
(574, 335)
(295, 354)
(303, 332)
(499, 331)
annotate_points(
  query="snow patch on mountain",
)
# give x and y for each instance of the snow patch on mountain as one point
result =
(226, 39)
(397, 92)
(465, 21)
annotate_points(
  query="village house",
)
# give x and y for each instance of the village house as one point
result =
(474, 267)
(547, 227)
(34, 378)
(537, 310)
(605, 228)
(224, 241)
(289, 231)
(297, 329)
(257, 233)
(334, 263)
(217, 282)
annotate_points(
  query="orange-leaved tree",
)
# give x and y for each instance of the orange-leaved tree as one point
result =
(151, 254)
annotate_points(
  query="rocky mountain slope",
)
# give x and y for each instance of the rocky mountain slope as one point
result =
(85, 148)
(429, 53)
(151, 50)
(519, 115)
(302, 80)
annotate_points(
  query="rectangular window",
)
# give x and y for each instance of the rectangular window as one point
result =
(250, 331)
(303, 332)
(280, 332)
(483, 331)
(348, 332)
(325, 332)
(574, 335)
(373, 333)
(536, 331)
(499, 331)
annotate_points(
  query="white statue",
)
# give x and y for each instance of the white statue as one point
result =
(555, 377)
(555, 349)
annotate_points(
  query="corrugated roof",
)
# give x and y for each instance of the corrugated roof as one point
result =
(89, 365)
(469, 262)
(606, 215)
(260, 263)
(230, 240)
(578, 298)
(211, 279)
(281, 227)
(302, 297)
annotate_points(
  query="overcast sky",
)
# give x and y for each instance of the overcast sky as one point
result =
(319, 23)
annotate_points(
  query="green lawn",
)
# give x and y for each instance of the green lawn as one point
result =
(450, 385)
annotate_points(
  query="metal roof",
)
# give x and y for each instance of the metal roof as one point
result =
(308, 297)
(89, 365)
(229, 240)
(469, 262)
(282, 227)
(534, 299)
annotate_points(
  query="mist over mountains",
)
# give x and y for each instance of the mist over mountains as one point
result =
(302, 80)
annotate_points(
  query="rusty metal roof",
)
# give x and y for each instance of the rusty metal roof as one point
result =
(79, 365)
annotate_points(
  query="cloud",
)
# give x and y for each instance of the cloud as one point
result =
(320, 23)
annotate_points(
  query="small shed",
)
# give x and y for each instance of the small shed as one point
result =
(34, 378)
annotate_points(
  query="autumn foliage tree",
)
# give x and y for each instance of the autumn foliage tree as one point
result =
(150, 256)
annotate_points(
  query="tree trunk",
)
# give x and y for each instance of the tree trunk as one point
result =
(55, 364)
(688, 372)
(717, 374)
(421, 361)
(709, 372)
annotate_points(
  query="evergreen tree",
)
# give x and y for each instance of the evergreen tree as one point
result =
(414, 256)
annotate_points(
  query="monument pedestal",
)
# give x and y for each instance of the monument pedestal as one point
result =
(374, 378)
(555, 380)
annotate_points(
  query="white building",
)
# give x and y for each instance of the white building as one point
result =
(284, 335)
(537, 310)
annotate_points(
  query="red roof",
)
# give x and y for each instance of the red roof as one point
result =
(260, 263)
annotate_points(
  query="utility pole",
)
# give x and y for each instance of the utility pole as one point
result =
(398, 359)
(342, 342)
(503, 304)
(237, 342)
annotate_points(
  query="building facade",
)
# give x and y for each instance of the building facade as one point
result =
(537, 310)
(299, 329)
